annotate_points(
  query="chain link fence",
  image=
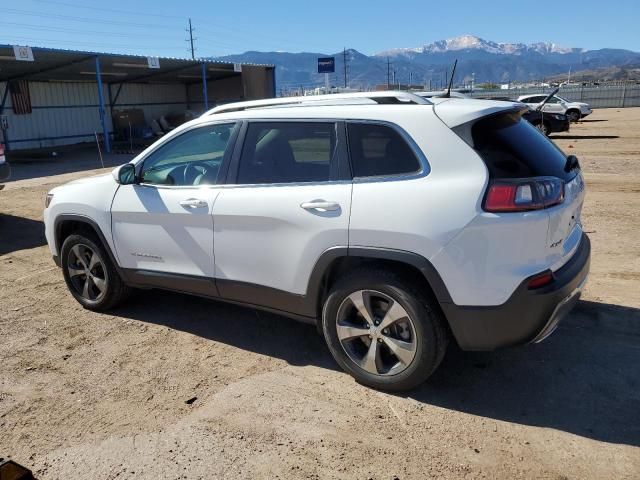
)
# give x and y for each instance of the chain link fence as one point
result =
(602, 96)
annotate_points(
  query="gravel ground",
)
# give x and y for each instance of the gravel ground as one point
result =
(170, 386)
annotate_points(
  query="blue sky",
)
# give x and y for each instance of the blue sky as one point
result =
(234, 26)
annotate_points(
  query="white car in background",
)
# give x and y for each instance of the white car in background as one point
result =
(556, 104)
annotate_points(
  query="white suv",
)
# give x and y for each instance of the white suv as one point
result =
(574, 110)
(392, 222)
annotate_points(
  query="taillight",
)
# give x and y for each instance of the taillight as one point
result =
(522, 194)
(1, 149)
(540, 280)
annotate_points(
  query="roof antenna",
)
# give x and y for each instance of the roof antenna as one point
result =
(448, 94)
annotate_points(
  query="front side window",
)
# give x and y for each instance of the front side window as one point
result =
(379, 150)
(192, 158)
(287, 152)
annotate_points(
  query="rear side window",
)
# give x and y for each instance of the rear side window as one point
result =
(287, 152)
(379, 150)
(513, 148)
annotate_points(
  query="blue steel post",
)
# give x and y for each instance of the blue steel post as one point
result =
(204, 87)
(5, 136)
(103, 120)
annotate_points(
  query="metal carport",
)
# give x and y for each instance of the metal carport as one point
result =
(74, 93)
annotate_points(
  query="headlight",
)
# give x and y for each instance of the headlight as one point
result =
(559, 116)
(47, 200)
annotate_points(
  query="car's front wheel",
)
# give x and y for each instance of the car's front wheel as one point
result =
(574, 115)
(90, 275)
(383, 331)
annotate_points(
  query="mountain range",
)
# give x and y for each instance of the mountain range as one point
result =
(430, 64)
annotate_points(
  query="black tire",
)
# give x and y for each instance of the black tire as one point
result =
(574, 115)
(431, 337)
(544, 128)
(114, 290)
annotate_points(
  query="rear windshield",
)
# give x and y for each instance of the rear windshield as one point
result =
(513, 148)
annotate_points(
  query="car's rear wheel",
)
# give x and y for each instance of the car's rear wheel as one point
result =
(90, 275)
(382, 331)
(574, 115)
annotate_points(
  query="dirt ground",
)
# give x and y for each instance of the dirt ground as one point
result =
(104, 396)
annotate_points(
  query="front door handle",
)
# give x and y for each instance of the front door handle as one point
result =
(320, 205)
(194, 203)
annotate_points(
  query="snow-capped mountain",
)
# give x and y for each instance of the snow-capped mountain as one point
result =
(430, 64)
(471, 42)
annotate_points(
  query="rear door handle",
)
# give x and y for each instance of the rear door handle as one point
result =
(194, 203)
(321, 205)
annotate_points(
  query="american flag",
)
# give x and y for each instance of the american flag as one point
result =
(20, 97)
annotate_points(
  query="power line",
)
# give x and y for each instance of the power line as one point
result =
(81, 42)
(95, 32)
(103, 9)
(232, 32)
(84, 19)
(73, 30)
(244, 34)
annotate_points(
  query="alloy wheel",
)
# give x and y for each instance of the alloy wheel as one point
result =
(543, 128)
(376, 332)
(86, 272)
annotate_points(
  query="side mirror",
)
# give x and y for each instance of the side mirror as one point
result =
(125, 174)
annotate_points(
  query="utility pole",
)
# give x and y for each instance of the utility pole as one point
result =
(388, 73)
(193, 51)
(344, 61)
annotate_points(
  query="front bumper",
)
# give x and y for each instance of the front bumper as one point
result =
(528, 315)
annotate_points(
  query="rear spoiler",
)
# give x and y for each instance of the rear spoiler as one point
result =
(459, 112)
(464, 130)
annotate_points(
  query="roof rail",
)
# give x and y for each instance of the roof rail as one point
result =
(386, 97)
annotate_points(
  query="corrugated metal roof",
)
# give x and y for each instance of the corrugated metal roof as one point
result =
(51, 64)
(91, 52)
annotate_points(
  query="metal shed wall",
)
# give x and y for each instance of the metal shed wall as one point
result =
(154, 99)
(259, 82)
(63, 113)
(67, 113)
(229, 89)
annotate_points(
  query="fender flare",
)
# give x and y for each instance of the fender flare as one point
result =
(329, 256)
(57, 225)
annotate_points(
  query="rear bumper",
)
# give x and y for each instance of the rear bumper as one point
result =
(560, 126)
(528, 315)
(5, 171)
